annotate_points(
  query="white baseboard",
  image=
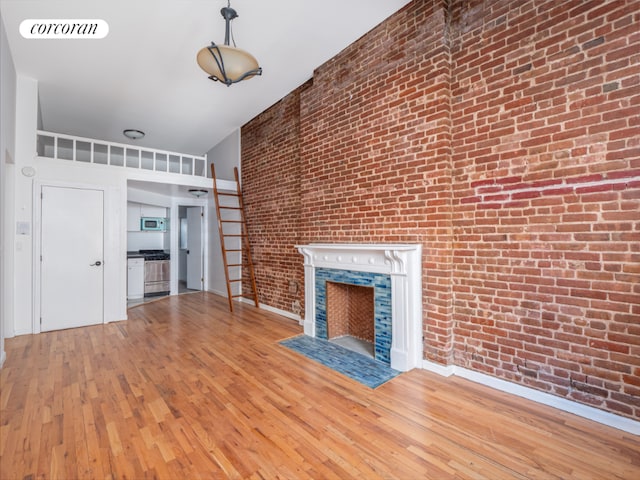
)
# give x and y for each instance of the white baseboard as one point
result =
(3, 357)
(444, 370)
(585, 411)
(269, 308)
(283, 313)
(218, 292)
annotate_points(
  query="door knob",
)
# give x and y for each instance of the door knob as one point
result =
(97, 264)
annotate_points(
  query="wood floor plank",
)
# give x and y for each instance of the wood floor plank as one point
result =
(185, 389)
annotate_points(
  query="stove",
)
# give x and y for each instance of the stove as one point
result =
(156, 272)
(151, 255)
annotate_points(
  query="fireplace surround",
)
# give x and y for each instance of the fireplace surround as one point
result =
(395, 273)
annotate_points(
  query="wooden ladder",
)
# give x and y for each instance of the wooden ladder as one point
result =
(231, 219)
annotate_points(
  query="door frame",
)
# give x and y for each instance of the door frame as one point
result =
(37, 243)
(175, 241)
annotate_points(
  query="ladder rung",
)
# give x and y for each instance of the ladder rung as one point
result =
(233, 250)
(229, 208)
(237, 280)
(231, 221)
(234, 235)
(246, 295)
(228, 194)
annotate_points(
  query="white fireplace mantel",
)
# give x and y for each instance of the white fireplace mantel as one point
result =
(403, 262)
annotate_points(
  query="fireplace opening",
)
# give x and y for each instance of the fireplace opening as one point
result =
(351, 317)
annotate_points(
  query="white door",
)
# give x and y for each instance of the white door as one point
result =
(71, 267)
(194, 248)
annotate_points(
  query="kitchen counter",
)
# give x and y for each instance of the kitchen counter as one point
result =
(148, 254)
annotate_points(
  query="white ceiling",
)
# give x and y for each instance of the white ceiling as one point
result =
(143, 75)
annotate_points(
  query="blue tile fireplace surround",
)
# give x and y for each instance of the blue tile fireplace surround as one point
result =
(381, 284)
(394, 271)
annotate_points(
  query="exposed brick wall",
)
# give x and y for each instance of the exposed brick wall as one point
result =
(270, 171)
(375, 151)
(547, 196)
(505, 137)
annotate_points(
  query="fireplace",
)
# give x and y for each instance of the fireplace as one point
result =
(392, 272)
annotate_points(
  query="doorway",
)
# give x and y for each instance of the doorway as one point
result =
(71, 257)
(191, 263)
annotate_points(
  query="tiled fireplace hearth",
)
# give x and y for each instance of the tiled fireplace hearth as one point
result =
(394, 273)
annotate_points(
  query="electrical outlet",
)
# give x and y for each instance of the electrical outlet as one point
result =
(295, 307)
(293, 286)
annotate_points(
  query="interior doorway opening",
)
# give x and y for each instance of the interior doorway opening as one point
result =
(191, 251)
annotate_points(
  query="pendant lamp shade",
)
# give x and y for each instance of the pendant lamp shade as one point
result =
(225, 63)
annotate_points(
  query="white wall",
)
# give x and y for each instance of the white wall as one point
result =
(112, 182)
(19, 248)
(145, 241)
(7, 153)
(224, 156)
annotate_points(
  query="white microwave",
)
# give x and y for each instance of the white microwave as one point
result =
(153, 224)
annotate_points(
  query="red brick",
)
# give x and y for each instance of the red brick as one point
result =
(519, 187)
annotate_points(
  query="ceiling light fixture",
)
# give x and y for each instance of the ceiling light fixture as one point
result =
(198, 192)
(224, 63)
(133, 134)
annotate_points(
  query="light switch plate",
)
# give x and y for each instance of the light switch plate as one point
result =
(23, 228)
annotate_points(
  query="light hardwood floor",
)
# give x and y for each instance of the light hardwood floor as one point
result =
(185, 390)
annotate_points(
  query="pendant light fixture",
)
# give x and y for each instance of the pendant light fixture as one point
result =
(133, 134)
(198, 192)
(225, 63)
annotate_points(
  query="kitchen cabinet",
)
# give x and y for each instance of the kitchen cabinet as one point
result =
(135, 278)
(135, 211)
(152, 211)
(133, 217)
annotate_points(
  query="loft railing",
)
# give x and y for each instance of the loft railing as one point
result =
(100, 152)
